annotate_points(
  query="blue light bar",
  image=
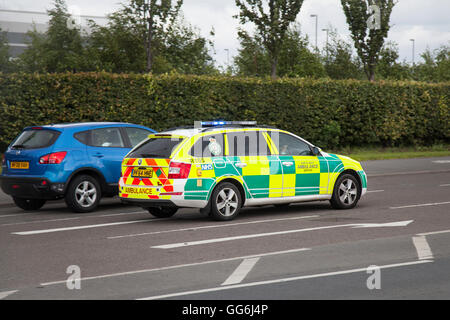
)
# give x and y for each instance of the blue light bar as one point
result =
(223, 123)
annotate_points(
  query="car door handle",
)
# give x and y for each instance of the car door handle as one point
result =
(98, 155)
(287, 163)
(241, 164)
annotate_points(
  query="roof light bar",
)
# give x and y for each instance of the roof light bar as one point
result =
(223, 123)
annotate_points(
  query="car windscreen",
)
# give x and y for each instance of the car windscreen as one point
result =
(35, 138)
(155, 148)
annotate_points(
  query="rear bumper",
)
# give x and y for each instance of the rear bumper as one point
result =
(31, 188)
(174, 202)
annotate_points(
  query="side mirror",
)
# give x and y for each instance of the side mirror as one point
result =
(316, 151)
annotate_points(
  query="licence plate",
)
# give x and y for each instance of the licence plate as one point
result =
(20, 165)
(142, 173)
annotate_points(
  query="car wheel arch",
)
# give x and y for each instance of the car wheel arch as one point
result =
(89, 171)
(353, 173)
(238, 185)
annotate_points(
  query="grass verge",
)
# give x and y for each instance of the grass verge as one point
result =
(363, 154)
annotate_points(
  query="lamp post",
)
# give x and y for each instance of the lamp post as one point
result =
(413, 49)
(326, 45)
(317, 18)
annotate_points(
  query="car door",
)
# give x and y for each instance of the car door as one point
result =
(301, 169)
(106, 150)
(261, 171)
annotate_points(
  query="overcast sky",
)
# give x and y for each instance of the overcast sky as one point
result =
(427, 21)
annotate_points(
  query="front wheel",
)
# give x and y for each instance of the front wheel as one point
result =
(29, 204)
(162, 212)
(226, 202)
(346, 193)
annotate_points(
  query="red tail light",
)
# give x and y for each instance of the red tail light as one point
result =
(53, 158)
(179, 170)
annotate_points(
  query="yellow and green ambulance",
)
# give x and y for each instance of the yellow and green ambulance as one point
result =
(220, 167)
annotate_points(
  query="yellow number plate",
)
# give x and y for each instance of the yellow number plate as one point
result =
(20, 165)
(142, 173)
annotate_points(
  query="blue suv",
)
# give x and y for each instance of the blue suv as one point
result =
(79, 162)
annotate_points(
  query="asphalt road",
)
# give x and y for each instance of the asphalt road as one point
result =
(400, 229)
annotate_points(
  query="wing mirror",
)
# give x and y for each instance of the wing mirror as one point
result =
(316, 151)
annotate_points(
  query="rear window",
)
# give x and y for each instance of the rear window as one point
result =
(34, 139)
(155, 148)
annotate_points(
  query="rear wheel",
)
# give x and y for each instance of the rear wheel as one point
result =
(226, 202)
(162, 212)
(83, 194)
(347, 192)
(29, 204)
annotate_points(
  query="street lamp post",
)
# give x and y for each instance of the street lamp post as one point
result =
(413, 49)
(326, 44)
(317, 18)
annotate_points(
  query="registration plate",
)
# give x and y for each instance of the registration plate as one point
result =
(142, 173)
(20, 165)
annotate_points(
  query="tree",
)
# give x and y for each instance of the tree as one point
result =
(368, 29)
(436, 65)
(339, 60)
(118, 47)
(59, 49)
(295, 59)
(149, 15)
(388, 67)
(5, 64)
(271, 26)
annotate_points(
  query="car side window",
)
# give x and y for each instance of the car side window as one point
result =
(247, 143)
(208, 146)
(107, 137)
(290, 145)
(136, 135)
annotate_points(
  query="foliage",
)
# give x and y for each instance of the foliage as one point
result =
(329, 113)
(5, 64)
(368, 43)
(338, 58)
(59, 49)
(271, 26)
(295, 59)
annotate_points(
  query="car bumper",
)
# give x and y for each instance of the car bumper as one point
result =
(31, 188)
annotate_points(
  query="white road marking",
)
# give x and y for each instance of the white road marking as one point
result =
(369, 191)
(389, 224)
(209, 226)
(267, 234)
(445, 185)
(433, 232)
(4, 294)
(252, 284)
(35, 221)
(421, 205)
(241, 271)
(405, 173)
(422, 247)
(181, 265)
(441, 161)
(26, 233)
(14, 215)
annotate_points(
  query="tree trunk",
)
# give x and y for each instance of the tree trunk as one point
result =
(149, 43)
(274, 67)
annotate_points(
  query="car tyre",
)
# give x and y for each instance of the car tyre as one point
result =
(83, 194)
(226, 202)
(29, 204)
(346, 193)
(162, 212)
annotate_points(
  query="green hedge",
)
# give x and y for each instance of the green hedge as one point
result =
(328, 113)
